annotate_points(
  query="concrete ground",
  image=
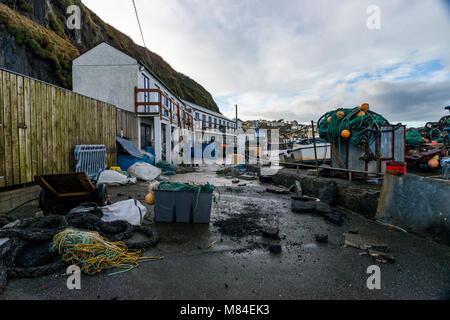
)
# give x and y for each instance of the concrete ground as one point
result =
(200, 262)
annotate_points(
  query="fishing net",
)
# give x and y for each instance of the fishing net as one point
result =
(167, 168)
(414, 137)
(362, 126)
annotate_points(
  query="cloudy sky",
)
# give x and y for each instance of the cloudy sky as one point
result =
(296, 59)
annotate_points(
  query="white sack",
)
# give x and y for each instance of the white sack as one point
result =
(144, 171)
(114, 178)
(152, 186)
(131, 211)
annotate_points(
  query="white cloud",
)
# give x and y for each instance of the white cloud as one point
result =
(297, 59)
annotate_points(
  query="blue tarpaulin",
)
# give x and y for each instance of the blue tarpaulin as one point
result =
(130, 147)
(126, 161)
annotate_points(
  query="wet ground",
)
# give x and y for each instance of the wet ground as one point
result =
(229, 259)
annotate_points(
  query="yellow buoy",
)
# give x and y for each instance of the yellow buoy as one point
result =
(150, 198)
(340, 114)
(360, 114)
(433, 163)
(365, 107)
(345, 134)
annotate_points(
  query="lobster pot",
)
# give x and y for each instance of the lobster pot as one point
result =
(388, 146)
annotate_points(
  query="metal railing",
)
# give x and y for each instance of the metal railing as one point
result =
(90, 159)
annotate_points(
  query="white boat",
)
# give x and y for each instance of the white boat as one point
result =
(303, 151)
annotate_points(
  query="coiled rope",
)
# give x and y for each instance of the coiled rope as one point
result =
(93, 253)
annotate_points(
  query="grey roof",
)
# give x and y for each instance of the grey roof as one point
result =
(202, 109)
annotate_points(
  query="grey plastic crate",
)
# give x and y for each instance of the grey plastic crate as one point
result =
(179, 206)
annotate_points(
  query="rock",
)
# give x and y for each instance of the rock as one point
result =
(321, 237)
(242, 185)
(303, 206)
(334, 217)
(323, 208)
(365, 243)
(381, 256)
(277, 190)
(230, 171)
(270, 232)
(328, 192)
(248, 177)
(275, 248)
(265, 179)
(235, 181)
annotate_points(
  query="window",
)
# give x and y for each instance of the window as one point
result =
(146, 136)
(146, 94)
(197, 116)
(203, 117)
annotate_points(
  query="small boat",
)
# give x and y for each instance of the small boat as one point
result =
(303, 152)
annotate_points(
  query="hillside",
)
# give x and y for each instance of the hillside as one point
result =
(34, 41)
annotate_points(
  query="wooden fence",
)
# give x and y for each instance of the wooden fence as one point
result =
(40, 124)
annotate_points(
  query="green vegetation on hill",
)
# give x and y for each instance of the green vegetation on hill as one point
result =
(42, 29)
(44, 44)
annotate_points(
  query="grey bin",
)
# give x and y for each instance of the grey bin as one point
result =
(179, 206)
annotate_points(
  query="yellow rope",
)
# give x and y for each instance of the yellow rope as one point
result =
(92, 253)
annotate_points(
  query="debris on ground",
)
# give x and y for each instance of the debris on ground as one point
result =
(152, 186)
(321, 237)
(233, 170)
(270, 232)
(248, 177)
(334, 217)
(275, 248)
(323, 208)
(235, 181)
(364, 243)
(300, 205)
(241, 224)
(277, 190)
(379, 256)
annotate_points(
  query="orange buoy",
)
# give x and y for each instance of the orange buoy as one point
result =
(329, 119)
(433, 163)
(360, 114)
(150, 198)
(345, 134)
(365, 107)
(340, 114)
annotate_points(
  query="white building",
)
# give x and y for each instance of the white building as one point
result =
(107, 74)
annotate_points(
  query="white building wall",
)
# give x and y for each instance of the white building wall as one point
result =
(107, 74)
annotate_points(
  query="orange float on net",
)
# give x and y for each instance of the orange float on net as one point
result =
(340, 114)
(365, 107)
(345, 134)
(360, 114)
(433, 163)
